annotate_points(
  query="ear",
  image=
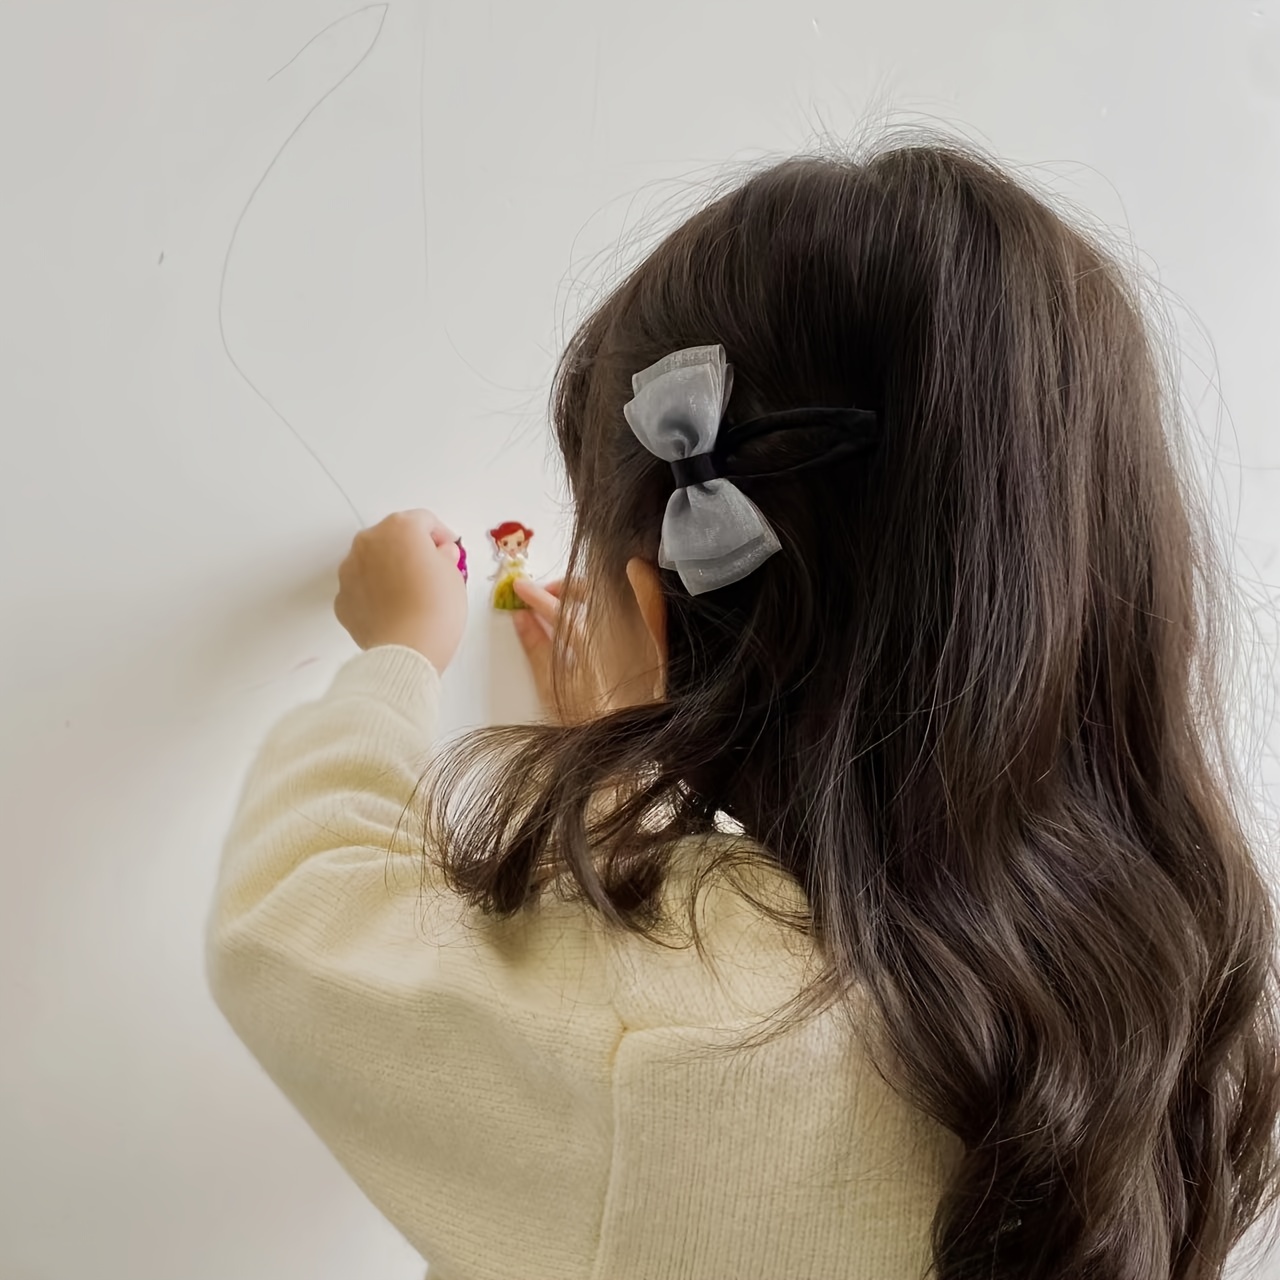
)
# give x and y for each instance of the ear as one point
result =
(653, 608)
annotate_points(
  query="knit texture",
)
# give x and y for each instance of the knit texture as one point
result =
(525, 1099)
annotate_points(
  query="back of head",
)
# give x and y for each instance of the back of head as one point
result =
(957, 705)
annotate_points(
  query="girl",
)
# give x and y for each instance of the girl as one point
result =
(890, 679)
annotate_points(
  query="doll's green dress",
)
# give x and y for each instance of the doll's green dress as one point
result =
(504, 591)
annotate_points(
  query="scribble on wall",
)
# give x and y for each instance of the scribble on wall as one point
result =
(248, 204)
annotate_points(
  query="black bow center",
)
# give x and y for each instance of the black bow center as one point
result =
(698, 469)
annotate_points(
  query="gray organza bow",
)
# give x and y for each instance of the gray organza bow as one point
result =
(712, 533)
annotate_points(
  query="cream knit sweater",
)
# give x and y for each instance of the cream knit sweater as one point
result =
(523, 1100)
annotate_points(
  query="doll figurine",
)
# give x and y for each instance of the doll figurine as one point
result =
(510, 542)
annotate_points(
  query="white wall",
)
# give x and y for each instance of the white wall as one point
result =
(167, 544)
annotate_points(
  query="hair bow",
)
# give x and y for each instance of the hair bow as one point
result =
(712, 533)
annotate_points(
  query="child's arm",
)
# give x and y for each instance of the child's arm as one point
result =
(331, 781)
(447, 1060)
(443, 1057)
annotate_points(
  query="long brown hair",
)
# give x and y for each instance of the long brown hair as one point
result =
(971, 706)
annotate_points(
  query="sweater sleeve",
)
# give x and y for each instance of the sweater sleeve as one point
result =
(457, 1066)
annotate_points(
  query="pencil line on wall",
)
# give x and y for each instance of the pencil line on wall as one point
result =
(235, 231)
(337, 22)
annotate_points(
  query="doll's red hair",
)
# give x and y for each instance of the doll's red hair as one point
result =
(507, 528)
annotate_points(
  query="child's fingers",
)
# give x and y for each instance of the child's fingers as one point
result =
(527, 618)
(539, 599)
(533, 633)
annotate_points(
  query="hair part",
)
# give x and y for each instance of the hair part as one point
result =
(972, 706)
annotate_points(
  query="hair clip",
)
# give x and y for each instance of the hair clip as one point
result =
(712, 533)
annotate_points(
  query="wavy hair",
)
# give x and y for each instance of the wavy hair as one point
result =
(971, 706)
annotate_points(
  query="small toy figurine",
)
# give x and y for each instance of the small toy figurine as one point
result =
(510, 542)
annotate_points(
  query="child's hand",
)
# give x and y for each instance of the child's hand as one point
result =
(400, 585)
(536, 626)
